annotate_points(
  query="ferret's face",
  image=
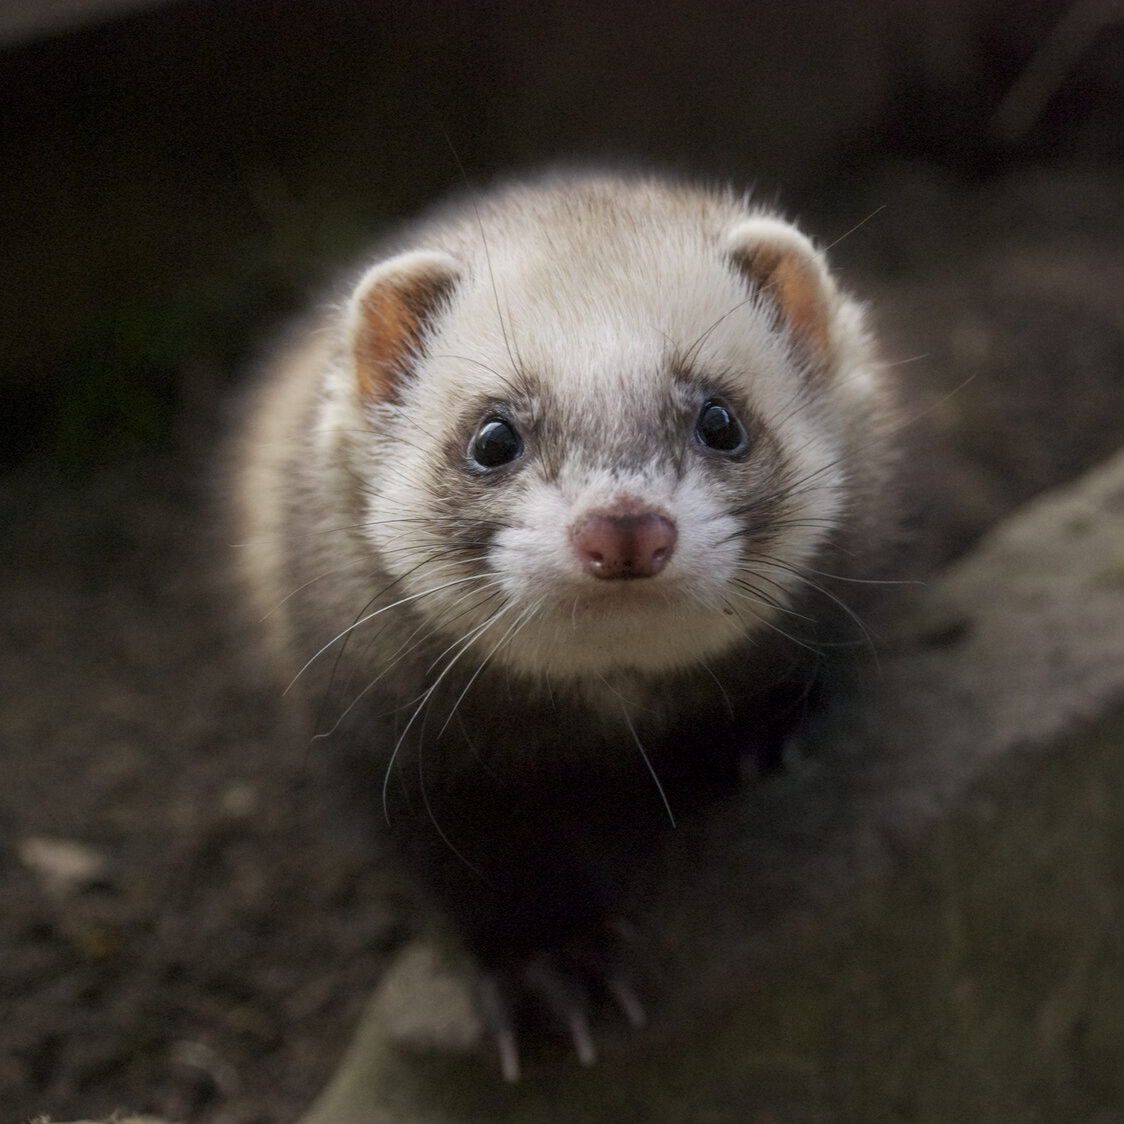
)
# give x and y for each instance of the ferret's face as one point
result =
(616, 463)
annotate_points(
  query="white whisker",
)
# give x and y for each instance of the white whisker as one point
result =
(378, 612)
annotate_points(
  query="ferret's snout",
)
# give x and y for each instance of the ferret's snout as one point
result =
(634, 545)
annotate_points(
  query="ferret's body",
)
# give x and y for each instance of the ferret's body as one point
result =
(558, 513)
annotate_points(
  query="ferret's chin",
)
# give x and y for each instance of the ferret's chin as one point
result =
(648, 632)
(637, 600)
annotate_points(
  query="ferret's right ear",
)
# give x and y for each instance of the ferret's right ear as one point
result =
(388, 314)
(778, 261)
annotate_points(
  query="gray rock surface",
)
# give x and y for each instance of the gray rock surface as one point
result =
(918, 922)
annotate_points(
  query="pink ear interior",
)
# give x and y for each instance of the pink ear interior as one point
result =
(393, 315)
(795, 282)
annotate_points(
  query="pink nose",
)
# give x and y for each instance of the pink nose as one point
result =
(624, 546)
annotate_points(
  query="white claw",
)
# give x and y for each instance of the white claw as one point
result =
(628, 1002)
(509, 1057)
(583, 1040)
(497, 1020)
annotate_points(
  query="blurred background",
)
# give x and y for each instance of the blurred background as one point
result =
(177, 175)
(187, 926)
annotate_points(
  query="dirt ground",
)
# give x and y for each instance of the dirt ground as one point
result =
(191, 920)
(208, 949)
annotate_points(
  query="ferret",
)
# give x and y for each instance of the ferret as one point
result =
(556, 517)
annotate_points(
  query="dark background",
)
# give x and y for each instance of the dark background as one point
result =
(175, 182)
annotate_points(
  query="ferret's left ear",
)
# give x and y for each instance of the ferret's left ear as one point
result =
(777, 260)
(393, 306)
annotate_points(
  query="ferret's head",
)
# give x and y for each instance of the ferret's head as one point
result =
(600, 426)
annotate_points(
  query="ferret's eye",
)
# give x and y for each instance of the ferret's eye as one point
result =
(718, 428)
(496, 443)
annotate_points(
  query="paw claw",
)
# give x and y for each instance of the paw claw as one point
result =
(559, 984)
(582, 1038)
(509, 1057)
(565, 1000)
(495, 1011)
(629, 1003)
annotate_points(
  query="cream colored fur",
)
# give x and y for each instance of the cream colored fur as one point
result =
(596, 287)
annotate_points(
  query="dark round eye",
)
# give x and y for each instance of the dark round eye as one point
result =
(718, 428)
(496, 443)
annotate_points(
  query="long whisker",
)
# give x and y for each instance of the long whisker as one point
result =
(412, 642)
(515, 626)
(861, 223)
(465, 644)
(818, 587)
(648, 762)
(378, 612)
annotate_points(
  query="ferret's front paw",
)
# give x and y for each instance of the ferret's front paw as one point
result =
(560, 986)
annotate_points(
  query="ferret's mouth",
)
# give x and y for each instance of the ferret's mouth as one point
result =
(624, 598)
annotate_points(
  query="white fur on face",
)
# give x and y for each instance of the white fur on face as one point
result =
(585, 625)
(596, 316)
